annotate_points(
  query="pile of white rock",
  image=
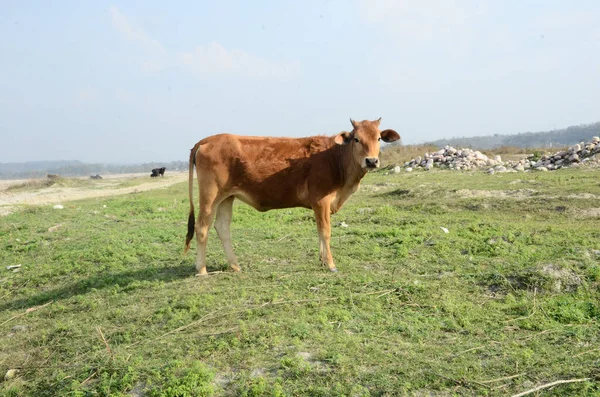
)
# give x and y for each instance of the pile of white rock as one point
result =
(468, 159)
(455, 159)
(580, 153)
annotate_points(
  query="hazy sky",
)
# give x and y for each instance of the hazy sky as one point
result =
(137, 81)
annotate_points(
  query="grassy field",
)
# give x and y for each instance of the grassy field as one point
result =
(507, 300)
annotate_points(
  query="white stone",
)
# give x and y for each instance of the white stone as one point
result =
(11, 373)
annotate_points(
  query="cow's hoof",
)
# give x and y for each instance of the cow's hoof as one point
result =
(236, 269)
(202, 274)
(333, 270)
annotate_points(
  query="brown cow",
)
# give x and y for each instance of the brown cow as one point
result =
(318, 172)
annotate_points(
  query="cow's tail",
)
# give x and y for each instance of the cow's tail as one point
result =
(191, 217)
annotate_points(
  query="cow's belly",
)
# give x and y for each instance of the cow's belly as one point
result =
(266, 202)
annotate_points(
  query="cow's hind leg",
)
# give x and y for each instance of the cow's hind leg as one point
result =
(208, 206)
(222, 225)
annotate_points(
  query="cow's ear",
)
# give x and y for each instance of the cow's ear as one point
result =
(389, 136)
(343, 138)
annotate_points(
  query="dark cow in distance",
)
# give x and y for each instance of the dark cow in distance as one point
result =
(318, 172)
(97, 176)
(158, 172)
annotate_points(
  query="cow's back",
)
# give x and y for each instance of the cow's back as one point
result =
(268, 173)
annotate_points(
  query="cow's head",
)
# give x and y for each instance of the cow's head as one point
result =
(365, 140)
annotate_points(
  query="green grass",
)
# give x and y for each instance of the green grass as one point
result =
(412, 310)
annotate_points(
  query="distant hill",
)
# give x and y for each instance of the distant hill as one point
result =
(32, 166)
(39, 169)
(544, 139)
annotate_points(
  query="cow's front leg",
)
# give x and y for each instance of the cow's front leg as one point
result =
(322, 215)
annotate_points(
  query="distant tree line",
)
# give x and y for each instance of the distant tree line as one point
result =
(39, 169)
(546, 139)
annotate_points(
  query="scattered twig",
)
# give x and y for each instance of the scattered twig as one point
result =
(31, 309)
(547, 331)
(586, 352)
(460, 382)
(49, 357)
(521, 318)
(468, 350)
(382, 292)
(105, 342)
(283, 238)
(457, 381)
(52, 366)
(17, 288)
(385, 293)
(547, 385)
(506, 280)
(504, 378)
(473, 348)
(295, 301)
(533, 311)
(200, 320)
(88, 378)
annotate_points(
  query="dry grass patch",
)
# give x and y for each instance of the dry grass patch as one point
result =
(392, 155)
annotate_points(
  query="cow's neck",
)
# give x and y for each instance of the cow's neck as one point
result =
(350, 172)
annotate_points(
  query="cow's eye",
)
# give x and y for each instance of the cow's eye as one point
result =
(355, 139)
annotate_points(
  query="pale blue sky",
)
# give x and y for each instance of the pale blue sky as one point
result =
(136, 81)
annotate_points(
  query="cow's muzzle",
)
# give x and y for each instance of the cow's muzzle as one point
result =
(371, 162)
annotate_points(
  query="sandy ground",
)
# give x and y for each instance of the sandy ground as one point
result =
(10, 201)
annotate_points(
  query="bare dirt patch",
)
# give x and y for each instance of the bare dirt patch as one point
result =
(11, 200)
(588, 213)
(585, 196)
(515, 194)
